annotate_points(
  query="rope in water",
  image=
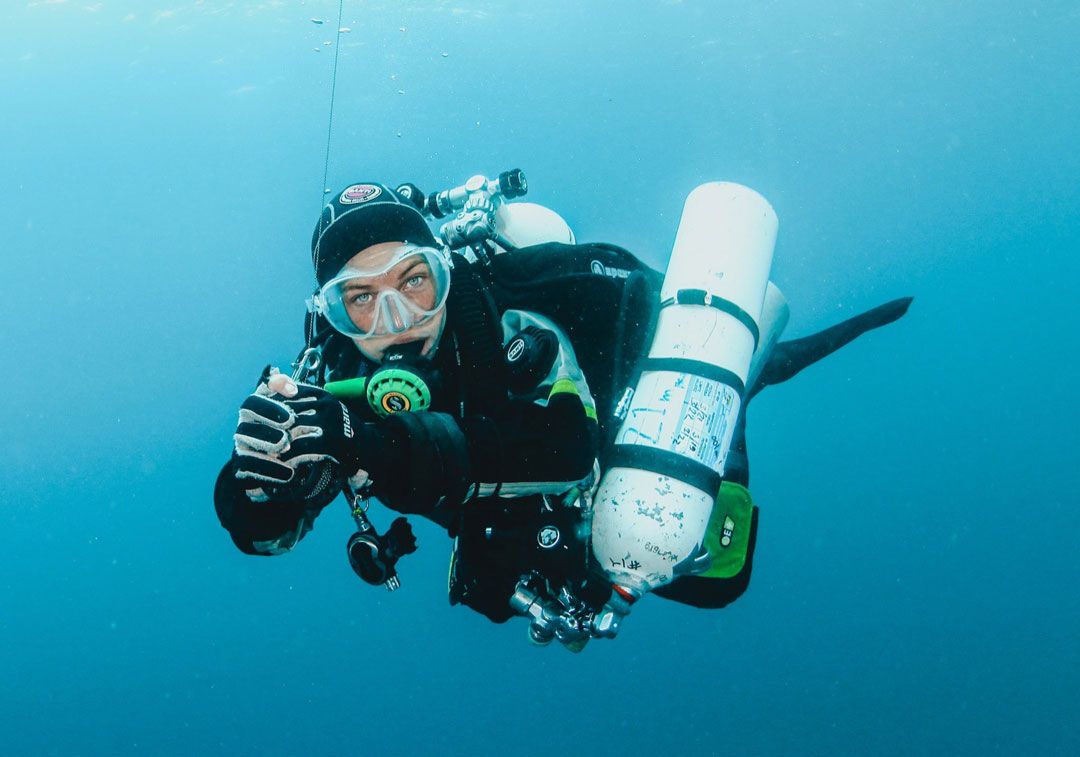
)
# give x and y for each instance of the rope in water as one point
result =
(323, 189)
(333, 93)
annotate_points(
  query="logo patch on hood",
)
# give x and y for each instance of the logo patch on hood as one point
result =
(358, 193)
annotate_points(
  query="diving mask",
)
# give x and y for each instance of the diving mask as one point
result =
(394, 293)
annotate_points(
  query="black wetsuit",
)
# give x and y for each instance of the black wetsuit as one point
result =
(476, 431)
(490, 458)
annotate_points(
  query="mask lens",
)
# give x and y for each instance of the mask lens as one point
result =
(406, 291)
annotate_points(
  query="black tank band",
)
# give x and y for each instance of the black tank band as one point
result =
(701, 297)
(664, 463)
(697, 368)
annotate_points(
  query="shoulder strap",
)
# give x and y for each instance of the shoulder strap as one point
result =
(475, 320)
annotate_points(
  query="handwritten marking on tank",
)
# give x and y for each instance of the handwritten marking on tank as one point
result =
(638, 434)
(664, 554)
(626, 562)
(687, 441)
(657, 579)
(697, 411)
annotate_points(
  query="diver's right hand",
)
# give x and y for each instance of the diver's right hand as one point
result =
(262, 437)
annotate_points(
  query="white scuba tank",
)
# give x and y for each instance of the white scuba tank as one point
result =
(774, 319)
(523, 224)
(653, 504)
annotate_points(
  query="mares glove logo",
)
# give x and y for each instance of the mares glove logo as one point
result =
(347, 421)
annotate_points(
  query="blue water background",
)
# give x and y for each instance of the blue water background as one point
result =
(916, 581)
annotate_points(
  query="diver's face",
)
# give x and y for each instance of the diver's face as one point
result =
(411, 280)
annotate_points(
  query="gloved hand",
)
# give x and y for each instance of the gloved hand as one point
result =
(285, 426)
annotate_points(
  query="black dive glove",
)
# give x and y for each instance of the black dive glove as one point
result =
(279, 435)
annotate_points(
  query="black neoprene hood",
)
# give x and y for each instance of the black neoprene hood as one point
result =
(359, 216)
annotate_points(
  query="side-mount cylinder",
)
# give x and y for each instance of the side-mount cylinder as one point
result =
(654, 502)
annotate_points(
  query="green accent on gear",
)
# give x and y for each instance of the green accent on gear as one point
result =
(566, 386)
(728, 534)
(348, 389)
(393, 390)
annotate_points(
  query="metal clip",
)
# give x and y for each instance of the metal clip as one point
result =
(307, 365)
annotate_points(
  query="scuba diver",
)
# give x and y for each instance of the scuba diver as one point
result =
(480, 380)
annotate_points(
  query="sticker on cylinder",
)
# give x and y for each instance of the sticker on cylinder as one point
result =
(682, 413)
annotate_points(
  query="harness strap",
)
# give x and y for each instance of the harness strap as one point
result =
(665, 463)
(478, 329)
(695, 367)
(702, 297)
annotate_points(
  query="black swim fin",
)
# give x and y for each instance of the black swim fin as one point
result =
(788, 358)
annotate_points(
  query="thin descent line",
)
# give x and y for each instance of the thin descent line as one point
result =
(329, 135)
(333, 94)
